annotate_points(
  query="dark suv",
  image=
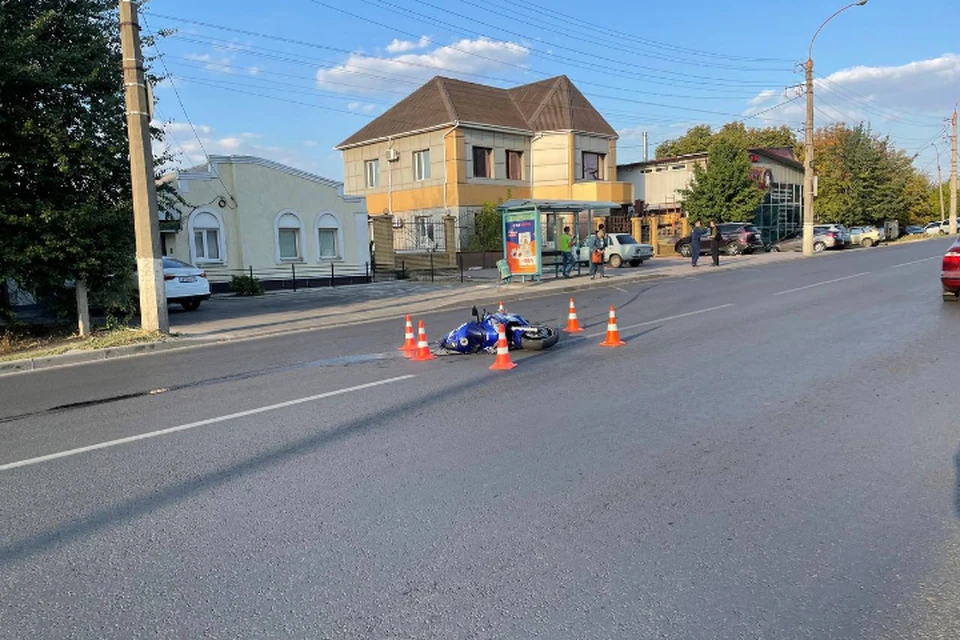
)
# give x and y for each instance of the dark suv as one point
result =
(737, 238)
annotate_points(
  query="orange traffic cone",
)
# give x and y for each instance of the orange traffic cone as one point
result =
(573, 324)
(423, 349)
(613, 334)
(409, 342)
(501, 309)
(503, 361)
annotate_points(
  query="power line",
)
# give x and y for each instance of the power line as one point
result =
(539, 18)
(183, 108)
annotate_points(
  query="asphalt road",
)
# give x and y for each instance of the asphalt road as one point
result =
(774, 454)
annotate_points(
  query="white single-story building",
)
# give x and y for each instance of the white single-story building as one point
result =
(242, 214)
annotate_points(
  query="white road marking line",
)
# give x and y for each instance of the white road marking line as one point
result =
(619, 289)
(820, 284)
(658, 321)
(201, 423)
(907, 264)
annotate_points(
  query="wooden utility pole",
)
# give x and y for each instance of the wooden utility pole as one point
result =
(153, 299)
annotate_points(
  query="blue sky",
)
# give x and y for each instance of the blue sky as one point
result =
(328, 67)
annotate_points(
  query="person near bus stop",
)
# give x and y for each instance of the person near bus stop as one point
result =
(716, 238)
(695, 243)
(567, 265)
(598, 247)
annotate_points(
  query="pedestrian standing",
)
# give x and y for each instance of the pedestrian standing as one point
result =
(716, 238)
(695, 243)
(567, 265)
(598, 251)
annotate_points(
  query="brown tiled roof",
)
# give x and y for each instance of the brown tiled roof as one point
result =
(552, 104)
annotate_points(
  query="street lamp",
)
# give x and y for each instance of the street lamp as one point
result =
(808, 140)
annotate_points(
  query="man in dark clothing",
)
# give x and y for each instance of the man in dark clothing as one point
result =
(695, 243)
(715, 240)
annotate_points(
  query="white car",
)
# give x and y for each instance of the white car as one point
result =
(621, 247)
(936, 228)
(184, 284)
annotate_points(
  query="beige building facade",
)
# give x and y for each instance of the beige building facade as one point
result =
(451, 146)
(241, 212)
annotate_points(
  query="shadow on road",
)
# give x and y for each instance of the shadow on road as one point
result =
(174, 494)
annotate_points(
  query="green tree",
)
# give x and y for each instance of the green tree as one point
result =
(723, 189)
(699, 138)
(487, 228)
(696, 140)
(864, 179)
(65, 211)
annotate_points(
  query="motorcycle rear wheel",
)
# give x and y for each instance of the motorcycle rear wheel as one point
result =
(545, 338)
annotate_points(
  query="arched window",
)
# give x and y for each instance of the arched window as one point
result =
(289, 240)
(329, 237)
(206, 231)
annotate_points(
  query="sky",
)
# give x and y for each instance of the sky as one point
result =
(289, 79)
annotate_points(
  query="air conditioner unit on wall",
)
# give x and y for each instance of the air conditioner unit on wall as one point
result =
(392, 155)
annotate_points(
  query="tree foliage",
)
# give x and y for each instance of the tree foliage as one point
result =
(65, 195)
(723, 189)
(863, 179)
(699, 138)
(487, 228)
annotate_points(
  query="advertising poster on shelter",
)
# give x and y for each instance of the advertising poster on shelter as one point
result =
(521, 241)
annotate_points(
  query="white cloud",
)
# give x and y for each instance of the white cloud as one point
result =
(254, 71)
(365, 107)
(219, 64)
(402, 46)
(370, 74)
(310, 143)
(882, 94)
(183, 143)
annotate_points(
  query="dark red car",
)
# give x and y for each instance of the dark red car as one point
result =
(950, 275)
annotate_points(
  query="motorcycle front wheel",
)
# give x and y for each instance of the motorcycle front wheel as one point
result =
(544, 338)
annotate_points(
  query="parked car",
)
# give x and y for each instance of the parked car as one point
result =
(868, 236)
(950, 273)
(621, 247)
(184, 284)
(843, 231)
(737, 238)
(794, 241)
(913, 230)
(936, 229)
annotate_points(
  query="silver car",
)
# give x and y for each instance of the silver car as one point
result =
(823, 238)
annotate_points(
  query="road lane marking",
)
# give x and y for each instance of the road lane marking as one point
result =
(820, 284)
(201, 423)
(667, 319)
(907, 264)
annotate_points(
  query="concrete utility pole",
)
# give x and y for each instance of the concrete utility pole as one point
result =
(943, 213)
(953, 173)
(153, 298)
(808, 214)
(646, 147)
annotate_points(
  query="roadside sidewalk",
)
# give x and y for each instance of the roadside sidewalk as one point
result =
(230, 318)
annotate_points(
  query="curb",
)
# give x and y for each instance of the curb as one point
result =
(94, 355)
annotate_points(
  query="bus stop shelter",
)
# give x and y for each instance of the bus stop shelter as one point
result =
(532, 228)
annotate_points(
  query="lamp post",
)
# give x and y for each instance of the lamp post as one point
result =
(808, 220)
(953, 171)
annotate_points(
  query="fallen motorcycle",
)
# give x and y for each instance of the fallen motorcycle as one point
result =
(480, 334)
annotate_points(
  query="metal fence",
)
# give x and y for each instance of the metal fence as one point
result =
(294, 276)
(422, 235)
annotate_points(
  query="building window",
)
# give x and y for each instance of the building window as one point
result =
(678, 167)
(593, 165)
(206, 237)
(288, 236)
(328, 237)
(421, 165)
(482, 165)
(514, 165)
(372, 171)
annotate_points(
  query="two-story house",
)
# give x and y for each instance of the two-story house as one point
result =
(451, 146)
